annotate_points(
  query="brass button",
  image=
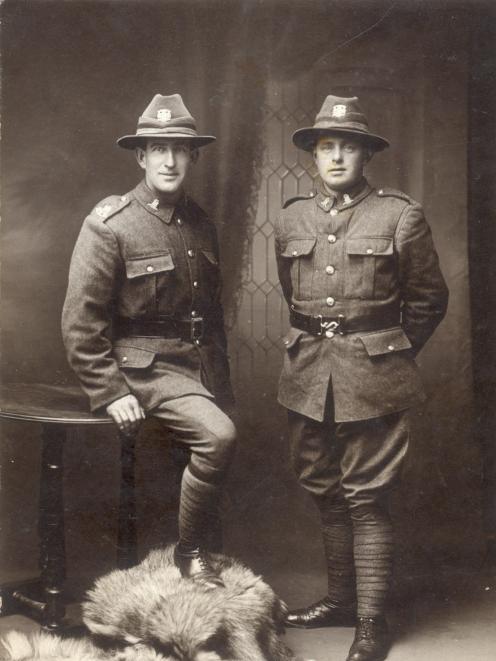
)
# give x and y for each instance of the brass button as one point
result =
(330, 301)
(149, 268)
(193, 313)
(191, 253)
(179, 221)
(370, 251)
(380, 191)
(195, 284)
(329, 333)
(334, 212)
(332, 238)
(295, 253)
(330, 270)
(391, 347)
(286, 341)
(124, 359)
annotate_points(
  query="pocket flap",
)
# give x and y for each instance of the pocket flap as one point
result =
(387, 341)
(210, 255)
(292, 337)
(299, 247)
(133, 356)
(149, 265)
(369, 245)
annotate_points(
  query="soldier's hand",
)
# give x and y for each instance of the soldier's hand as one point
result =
(126, 413)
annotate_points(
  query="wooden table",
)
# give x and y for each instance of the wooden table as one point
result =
(57, 408)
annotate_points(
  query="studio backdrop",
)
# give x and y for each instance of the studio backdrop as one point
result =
(76, 75)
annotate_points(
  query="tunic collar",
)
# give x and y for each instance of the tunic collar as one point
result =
(152, 203)
(326, 201)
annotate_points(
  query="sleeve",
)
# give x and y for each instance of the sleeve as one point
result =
(87, 314)
(283, 265)
(423, 288)
(225, 396)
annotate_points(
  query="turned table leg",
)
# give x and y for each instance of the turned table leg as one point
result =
(51, 524)
(127, 555)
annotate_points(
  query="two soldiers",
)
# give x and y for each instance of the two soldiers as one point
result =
(143, 327)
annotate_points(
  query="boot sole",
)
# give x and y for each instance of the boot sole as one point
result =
(346, 624)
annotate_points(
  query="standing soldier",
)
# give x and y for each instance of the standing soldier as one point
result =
(143, 323)
(360, 274)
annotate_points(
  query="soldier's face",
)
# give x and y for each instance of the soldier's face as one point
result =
(166, 163)
(340, 161)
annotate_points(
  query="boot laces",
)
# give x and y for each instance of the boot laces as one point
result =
(367, 628)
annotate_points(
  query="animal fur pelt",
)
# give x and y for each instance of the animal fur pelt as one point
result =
(17, 646)
(150, 613)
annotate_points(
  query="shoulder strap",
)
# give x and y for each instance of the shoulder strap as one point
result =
(298, 198)
(392, 192)
(110, 206)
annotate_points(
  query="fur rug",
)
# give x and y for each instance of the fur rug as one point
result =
(150, 613)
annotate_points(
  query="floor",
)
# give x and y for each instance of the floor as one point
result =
(452, 618)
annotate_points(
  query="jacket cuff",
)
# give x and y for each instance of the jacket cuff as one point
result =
(100, 401)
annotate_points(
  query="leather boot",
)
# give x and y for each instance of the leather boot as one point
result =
(372, 640)
(195, 564)
(324, 613)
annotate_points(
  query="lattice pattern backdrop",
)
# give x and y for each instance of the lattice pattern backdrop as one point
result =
(255, 342)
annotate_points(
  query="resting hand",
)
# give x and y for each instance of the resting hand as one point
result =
(126, 413)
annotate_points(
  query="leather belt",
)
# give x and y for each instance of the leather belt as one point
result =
(319, 325)
(190, 330)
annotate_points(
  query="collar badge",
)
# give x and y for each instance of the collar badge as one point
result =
(164, 115)
(154, 204)
(339, 110)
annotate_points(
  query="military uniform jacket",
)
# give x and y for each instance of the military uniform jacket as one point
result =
(136, 259)
(371, 258)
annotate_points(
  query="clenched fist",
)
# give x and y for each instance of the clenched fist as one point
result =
(127, 413)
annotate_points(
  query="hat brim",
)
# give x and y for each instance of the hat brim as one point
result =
(306, 138)
(133, 141)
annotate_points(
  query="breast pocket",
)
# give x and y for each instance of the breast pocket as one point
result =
(370, 267)
(300, 252)
(147, 277)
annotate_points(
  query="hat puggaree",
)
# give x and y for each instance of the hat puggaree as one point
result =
(339, 115)
(165, 117)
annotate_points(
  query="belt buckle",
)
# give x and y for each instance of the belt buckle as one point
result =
(331, 326)
(197, 329)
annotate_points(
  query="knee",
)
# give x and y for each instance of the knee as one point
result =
(333, 510)
(226, 436)
(370, 513)
(223, 439)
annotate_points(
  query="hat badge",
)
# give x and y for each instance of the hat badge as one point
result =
(164, 115)
(339, 110)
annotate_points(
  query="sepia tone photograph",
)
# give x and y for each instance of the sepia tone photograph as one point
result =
(248, 338)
